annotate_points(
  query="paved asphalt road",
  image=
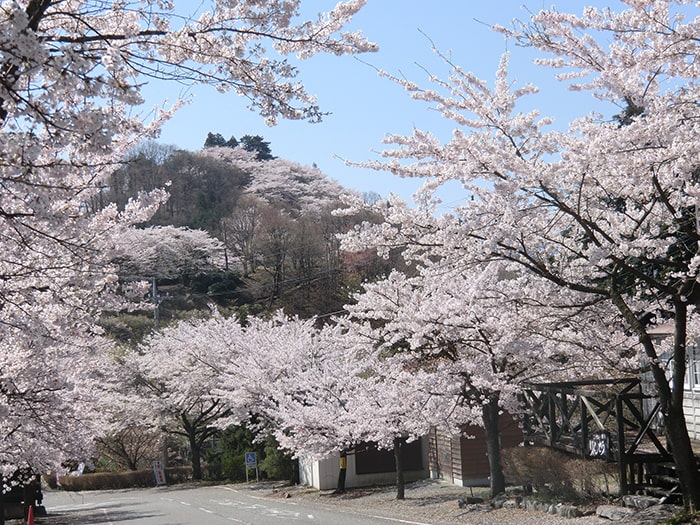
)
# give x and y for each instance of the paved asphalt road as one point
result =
(213, 505)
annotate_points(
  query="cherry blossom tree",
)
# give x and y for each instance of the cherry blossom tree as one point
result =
(240, 231)
(203, 375)
(325, 391)
(606, 209)
(396, 402)
(166, 252)
(69, 89)
(292, 374)
(319, 391)
(179, 370)
(475, 337)
(283, 183)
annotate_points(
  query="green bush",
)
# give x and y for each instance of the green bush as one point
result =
(277, 464)
(227, 458)
(214, 282)
(233, 466)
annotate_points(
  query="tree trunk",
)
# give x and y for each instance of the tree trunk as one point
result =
(683, 458)
(342, 473)
(398, 460)
(490, 416)
(294, 480)
(195, 450)
(671, 397)
(28, 495)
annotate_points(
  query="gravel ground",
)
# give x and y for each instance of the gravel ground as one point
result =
(427, 502)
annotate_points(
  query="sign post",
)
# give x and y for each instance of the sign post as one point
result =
(159, 472)
(251, 461)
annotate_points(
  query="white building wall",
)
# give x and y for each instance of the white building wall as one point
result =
(691, 409)
(323, 474)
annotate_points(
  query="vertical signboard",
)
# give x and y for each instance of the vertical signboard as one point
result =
(159, 473)
(251, 461)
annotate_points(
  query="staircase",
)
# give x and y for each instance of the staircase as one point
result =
(663, 482)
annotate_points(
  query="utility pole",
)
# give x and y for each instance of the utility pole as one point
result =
(157, 299)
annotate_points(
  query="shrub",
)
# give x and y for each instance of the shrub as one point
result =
(277, 464)
(118, 480)
(550, 472)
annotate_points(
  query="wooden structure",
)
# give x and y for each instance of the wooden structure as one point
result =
(609, 419)
(461, 459)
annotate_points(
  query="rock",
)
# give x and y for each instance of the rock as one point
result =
(568, 511)
(513, 503)
(463, 501)
(534, 505)
(499, 501)
(614, 513)
(658, 514)
(639, 502)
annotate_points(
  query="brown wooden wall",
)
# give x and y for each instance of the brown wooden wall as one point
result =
(455, 458)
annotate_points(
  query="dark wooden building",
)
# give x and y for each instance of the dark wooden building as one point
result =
(462, 459)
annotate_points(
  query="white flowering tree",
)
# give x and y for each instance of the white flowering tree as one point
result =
(283, 183)
(319, 391)
(203, 375)
(166, 252)
(606, 209)
(397, 401)
(70, 77)
(179, 371)
(322, 391)
(469, 335)
(288, 373)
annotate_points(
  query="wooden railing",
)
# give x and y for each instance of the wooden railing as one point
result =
(609, 419)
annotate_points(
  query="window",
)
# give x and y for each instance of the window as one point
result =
(692, 370)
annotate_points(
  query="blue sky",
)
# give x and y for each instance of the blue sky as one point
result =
(364, 107)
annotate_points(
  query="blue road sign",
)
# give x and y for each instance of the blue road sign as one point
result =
(251, 460)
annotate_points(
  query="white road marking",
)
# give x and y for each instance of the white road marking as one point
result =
(104, 511)
(397, 520)
(83, 506)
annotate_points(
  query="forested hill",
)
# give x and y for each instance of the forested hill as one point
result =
(277, 238)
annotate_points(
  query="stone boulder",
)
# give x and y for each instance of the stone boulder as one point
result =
(639, 502)
(614, 512)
